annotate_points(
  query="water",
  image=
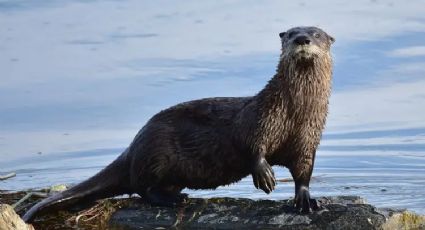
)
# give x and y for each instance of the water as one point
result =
(79, 78)
(390, 180)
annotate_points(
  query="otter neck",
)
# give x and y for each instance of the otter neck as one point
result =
(294, 101)
(298, 86)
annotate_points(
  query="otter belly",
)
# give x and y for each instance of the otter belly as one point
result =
(212, 171)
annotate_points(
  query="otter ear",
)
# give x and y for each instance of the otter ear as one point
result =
(332, 39)
(282, 34)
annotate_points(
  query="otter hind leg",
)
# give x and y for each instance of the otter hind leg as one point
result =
(164, 196)
(303, 202)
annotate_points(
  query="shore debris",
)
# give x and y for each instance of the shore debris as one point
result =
(7, 176)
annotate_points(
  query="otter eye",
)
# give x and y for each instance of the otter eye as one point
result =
(316, 35)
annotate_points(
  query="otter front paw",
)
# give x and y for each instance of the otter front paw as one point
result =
(303, 203)
(263, 176)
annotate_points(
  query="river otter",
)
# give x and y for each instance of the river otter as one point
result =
(207, 143)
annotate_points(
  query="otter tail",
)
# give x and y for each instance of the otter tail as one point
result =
(109, 182)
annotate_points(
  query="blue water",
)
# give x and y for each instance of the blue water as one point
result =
(390, 180)
(78, 79)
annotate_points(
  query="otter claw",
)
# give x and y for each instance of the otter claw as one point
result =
(263, 176)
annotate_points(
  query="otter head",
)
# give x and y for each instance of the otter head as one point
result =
(305, 44)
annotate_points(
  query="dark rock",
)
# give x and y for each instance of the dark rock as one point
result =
(342, 212)
(227, 213)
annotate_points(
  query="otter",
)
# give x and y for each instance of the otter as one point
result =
(206, 143)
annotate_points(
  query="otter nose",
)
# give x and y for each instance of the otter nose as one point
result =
(302, 40)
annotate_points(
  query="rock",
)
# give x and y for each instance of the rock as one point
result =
(340, 212)
(9, 220)
(347, 212)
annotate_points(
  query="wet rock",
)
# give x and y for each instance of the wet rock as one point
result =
(341, 212)
(347, 212)
(9, 220)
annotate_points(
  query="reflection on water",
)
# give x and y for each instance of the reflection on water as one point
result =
(83, 75)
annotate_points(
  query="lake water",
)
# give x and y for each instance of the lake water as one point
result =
(385, 179)
(79, 78)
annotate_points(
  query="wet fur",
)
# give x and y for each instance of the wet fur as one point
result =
(211, 142)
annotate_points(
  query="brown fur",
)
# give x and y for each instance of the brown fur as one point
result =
(211, 142)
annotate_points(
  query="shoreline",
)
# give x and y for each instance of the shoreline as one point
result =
(219, 213)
